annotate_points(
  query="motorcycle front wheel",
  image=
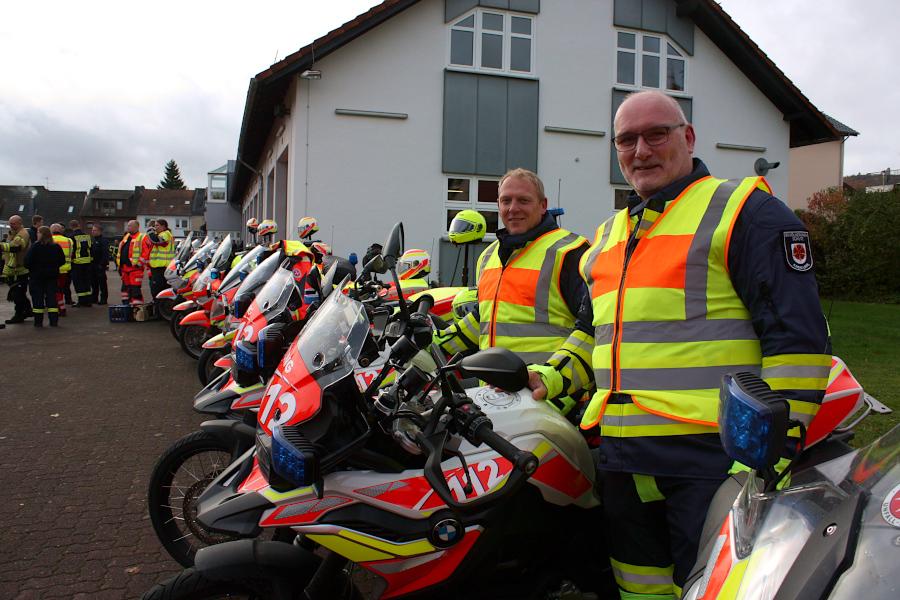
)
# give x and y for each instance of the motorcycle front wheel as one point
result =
(164, 309)
(192, 338)
(206, 368)
(191, 585)
(175, 325)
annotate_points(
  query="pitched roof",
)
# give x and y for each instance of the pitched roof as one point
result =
(808, 125)
(14, 196)
(840, 127)
(59, 206)
(127, 197)
(164, 202)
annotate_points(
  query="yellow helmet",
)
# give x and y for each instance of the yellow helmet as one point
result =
(465, 302)
(267, 227)
(307, 226)
(467, 226)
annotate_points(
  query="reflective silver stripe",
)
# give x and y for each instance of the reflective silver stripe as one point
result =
(527, 330)
(535, 358)
(603, 334)
(636, 420)
(545, 279)
(696, 275)
(643, 579)
(598, 248)
(686, 378)
(602, 378)
(795, 372)
(485, 257)
(579, 344)
(697, 330)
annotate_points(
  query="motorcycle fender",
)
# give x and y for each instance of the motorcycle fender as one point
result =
(168, 294)
(198, 317)
(222, 508)
(257, 559)
(214, 399)
(185, 306)
(224, 362)
(216, 341)
(229, 430)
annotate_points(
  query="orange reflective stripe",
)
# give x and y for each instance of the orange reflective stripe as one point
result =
(518, 286)
(659, 262)
(607, 270)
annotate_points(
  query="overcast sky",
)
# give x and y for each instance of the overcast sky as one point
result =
(105, 92)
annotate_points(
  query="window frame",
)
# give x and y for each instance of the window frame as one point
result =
(506, 45)
(662, 55)
(471, 203)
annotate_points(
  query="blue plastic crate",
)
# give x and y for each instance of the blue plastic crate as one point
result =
(121, 313)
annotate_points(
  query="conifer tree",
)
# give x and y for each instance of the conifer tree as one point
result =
(172, 180)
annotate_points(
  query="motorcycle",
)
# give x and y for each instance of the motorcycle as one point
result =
(168, 298)
(194, 326)
(831, 533)
(407, 481)
(189, 273)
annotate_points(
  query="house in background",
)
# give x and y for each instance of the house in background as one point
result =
(175, 206)
(883, 181)
(27, 201)
(413, 110)
(817, 167)
(112, 209)
(17, 200)
(222, 217)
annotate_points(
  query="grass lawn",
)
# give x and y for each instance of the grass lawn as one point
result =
(867, 338)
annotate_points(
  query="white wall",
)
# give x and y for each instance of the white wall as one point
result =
(363, 174)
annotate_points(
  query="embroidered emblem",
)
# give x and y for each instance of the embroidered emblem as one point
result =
(797, 250)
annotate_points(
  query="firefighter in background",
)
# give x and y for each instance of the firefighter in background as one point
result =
(133, 256)
(81, 263)
(15, 272)
(161, 251)
(62, 282)
(99, 264)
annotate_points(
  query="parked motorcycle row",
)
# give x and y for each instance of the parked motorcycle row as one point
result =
(348, 457)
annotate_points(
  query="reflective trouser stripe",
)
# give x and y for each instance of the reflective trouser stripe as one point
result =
(647, 489)
(52, 310)
(639, 579)
(37, 311)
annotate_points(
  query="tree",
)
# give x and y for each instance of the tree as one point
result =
(173, 180)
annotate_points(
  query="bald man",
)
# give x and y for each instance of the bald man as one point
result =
(15, 273)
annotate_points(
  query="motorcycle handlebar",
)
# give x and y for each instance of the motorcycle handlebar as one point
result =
(426, 303)
(522, 460)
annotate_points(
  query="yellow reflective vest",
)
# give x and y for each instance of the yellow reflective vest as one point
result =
(134, 255)
(162, 253)
(82, 248)
(520, 303)
(66, 244)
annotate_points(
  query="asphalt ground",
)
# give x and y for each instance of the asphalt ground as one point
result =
(86, 410)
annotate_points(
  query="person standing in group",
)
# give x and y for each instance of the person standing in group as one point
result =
(132, 257)
(698, 277)
(99, 265)
(37, 221)
(81, 264)
(43, 260)
(65, 271)
(14, 270)
(162, 251)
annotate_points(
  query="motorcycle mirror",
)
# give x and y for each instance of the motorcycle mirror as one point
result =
(375, 265)
(393, 247)
(327, 283)
(499, 367)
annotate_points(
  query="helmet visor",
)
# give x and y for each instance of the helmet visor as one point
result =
(460, 226)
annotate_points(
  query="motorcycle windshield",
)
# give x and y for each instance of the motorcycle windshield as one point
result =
(257, 278)
(248, 262)
(222, 257)
(278, 296)
(183, 252)
(200, 258)
(333, 339)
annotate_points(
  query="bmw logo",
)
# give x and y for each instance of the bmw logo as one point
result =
(446, 532)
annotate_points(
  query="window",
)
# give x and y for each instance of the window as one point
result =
(473, 193)
(218, 194)
(620, 200)
(21, 207)
(71, 208)
(651, 60)
(493, 41)
(118, 205)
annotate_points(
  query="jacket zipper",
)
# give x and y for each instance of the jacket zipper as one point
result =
(629, 250)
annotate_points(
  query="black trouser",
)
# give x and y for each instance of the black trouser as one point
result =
(653, 527)
(43, 296)
(99, 291)
(81, 278)
(17, 294)
(157, 281)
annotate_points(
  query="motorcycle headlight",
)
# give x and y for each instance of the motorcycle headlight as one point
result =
(753, 421)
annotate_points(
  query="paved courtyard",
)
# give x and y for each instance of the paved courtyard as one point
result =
(87, 409)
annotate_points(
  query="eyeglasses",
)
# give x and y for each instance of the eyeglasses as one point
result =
(655, 136)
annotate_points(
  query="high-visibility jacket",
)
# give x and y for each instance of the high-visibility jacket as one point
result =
(82, 252)
(162, 252)
(14, 251)
(668, 323)
(66, 244)
(521, 306)
(134, 241)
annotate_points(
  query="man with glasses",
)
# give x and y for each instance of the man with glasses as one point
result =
(696, 278)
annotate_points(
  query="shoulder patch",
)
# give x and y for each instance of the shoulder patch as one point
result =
(797, 251)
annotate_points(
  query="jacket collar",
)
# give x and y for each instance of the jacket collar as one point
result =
(661, 199)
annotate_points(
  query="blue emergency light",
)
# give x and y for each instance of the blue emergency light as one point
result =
(245, 356)
(753, 420)
(293, 458)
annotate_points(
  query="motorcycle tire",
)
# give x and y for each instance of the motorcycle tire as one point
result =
(206, 368)
(175, 325)
(164, 308)
(191, 338)
(180, 475)
(191, 585)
